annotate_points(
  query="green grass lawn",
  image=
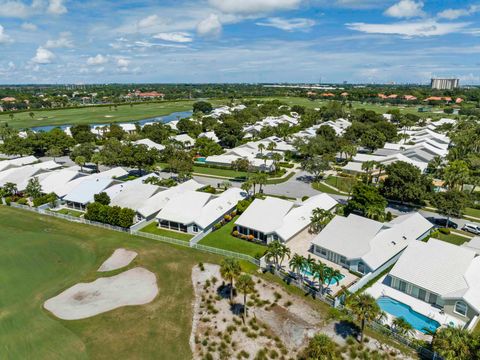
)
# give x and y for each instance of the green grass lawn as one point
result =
(70, 212)
(222, 239)
(230, 173)
(472, 212)
(98, 114)
(154, 229)
(323, 188)
(451, 238)
(341, 183)
(40, 256)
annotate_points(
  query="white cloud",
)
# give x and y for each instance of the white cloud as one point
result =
(405, 9)
(13, 9)
(296, 24)
(64, 41)
(210, 27)
(29, 26)
(56, 7)
(43, 56)
(452, 14)
(99, 59)
(146, 44)
(123, 63)
(409, 29)
(147, 22)
(181, 37)
(4, 38)
(253, 6)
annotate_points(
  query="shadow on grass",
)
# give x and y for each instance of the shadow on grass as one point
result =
(345, 328)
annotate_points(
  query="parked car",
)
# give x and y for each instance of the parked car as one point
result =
(442, 222)
(471, 228)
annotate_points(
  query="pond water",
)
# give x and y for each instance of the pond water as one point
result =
(164, 119)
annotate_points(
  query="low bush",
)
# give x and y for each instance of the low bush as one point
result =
(444, 231)
(304, 198)
(22, 201)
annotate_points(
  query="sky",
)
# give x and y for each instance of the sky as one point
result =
(238, 41)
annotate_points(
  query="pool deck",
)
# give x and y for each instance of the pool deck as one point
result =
(302, 243)
(380, 289)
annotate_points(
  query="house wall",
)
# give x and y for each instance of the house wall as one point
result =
(449, 309)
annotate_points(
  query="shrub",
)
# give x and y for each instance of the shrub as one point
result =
(22, 201)
(444, 231)
(8, 200)
(217, 226)
(227, 218)
(250, 237)
(235, 233)
(388, 216)
(304, 198)
(243, 237)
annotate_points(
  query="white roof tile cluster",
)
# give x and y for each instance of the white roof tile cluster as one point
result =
(451, 271)
(184, 139)
(209, 135)
(21, 161)
(283, 217)
(373, 242)
(150, 144)
(19, 175)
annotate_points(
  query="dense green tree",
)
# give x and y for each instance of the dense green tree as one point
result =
(86, 150)
(316, 166)
(156, 132)
(207, 147)
(202, 106)
(450, 203)
(33, 189)
(372, 139)
(365, 198)
(102, 198)
(406, 183)
(320, 347)
(82, 133)
(454, 343)
(229, 132)
(190, 127)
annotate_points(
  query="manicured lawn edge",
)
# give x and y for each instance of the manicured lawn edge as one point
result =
(152, 228)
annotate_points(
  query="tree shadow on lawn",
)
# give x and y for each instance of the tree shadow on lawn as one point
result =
(224, 291)
(346, 328)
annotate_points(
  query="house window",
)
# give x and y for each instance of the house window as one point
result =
(461, 308)
(195, 228)
(323, 251)
(361, 267)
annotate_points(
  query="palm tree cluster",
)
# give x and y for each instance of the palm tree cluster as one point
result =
(319, 219)
(324, 274)
(364, 309)
(231, 271)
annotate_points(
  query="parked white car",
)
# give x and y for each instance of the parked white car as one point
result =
(471, 228)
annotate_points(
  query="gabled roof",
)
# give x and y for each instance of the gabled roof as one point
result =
(265, 215)
(185, 207)
(84, 192)
(150, 144)
(19, 176)
(159, 200)
(21, 161)
(184, 138)
(218, 206)
(373, 242)
(448, 270)
(56, 181)
(134, 197)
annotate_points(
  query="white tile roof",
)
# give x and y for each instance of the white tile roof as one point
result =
(150, 144)
(19, 176)
(84, 192)
(133, 197)
(184, 138)
(209, 135)
(185, 207)
(159, 200)
(448, 270)
(298, 218)
(265, 215)
(218, 206)
(21, 161)
(56, 181)
(47, 165)
(373, 242)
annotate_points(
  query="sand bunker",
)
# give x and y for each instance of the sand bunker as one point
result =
(137, 286)
(120, 258)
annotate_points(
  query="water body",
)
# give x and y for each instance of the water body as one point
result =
(163, 119)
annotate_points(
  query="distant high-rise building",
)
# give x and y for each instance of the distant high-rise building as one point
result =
(444, 84)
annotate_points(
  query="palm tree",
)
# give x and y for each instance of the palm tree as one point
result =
(276, 157)
(365, 309)
(96, 159)
(368, 167)
(230, 269)
(402, 326)
(246, 186)
(319, 272)
(373, 212)
(332, 274)
(245, 285)
(380, 167)
(277, 252)
(297, 263)
(271, 146)
(261, 148)
(319, 219)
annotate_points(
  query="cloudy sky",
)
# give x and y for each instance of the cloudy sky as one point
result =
(86, 41)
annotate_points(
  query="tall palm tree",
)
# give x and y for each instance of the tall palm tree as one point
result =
(402, 326)
(230, 269)
(332, 274)
(245, 285)
(320, 272)
(297, 263)
(368, 167)
(261, 148)
(319, 219)
(271, 146)
(365, 309)
(277, 252)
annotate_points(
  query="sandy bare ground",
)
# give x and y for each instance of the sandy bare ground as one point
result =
(119, 259)
(137, 286)
(281, 322)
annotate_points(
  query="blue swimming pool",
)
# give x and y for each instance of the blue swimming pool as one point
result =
(307, 272)
(418, 321)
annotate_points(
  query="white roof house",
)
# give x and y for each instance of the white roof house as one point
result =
(218, 206)
(356, 238)
(450, 271)
(55, 181)
(48, 165)
(128, 127)
(185, 139)
(339, 125)
(154, 204)
(114, 173)
(150, 144)
(19, 176)
(209, 135)
(84, 192)
(184, 207)
(21, 161)
(278, 218)
(133, 197)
